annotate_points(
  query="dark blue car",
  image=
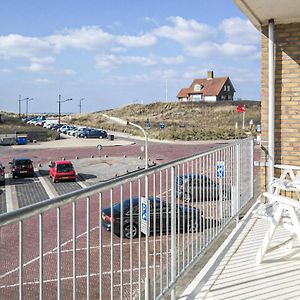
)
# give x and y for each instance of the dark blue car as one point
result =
(93, 133)
(190, 218)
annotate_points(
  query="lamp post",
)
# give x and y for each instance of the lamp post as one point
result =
(20, 100)
(124, 122)
(80, 100)
(27, 100)
(59, 105)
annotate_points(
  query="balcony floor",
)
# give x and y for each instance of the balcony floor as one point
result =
(233, 274)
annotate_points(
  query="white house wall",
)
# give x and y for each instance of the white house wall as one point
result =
(210, 98)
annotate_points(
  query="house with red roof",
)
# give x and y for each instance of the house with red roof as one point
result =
(208, 89)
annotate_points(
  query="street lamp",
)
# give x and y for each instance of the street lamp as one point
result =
(125, 123)
(59, 104)
(27, 100)
(20, 100)
(80, 100)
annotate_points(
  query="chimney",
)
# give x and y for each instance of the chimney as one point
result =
(210, 75)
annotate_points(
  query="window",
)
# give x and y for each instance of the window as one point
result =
(228, 88)
(197, 87)
(224, 88)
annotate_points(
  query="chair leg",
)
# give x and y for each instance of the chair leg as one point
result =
(269, 235)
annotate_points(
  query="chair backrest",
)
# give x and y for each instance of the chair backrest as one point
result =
(297, 177)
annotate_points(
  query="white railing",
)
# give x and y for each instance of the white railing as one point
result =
(72, 246)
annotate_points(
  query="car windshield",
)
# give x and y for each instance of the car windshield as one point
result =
(64, 168)
(23, 162)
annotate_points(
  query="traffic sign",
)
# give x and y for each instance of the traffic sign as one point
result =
(144, 216)
(148, 125)
(220, 169)
(162, 125)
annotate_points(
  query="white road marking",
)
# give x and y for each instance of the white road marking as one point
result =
(10, 194)
(49, 189)
(77, 277)
(83, 185)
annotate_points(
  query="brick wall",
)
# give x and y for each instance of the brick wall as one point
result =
(287, 92)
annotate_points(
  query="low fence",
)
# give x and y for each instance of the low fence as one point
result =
(129, 238)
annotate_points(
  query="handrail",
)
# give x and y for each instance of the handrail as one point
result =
(41, 207)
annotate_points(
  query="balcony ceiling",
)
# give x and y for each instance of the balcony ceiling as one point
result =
(259, 12)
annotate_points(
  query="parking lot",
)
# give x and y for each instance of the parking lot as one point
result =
(111, 161)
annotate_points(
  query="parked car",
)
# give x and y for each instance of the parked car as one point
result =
(21, 167)
(81, 130)
(2, 174)
(56, 126)
(192, 187)
(76, 131)
(190, 218)
(66, 128)
(62, 170)
(93, 133)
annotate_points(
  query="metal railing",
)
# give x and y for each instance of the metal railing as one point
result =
(89, 243)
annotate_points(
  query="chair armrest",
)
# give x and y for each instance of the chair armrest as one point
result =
(282, 199)
(287, 167)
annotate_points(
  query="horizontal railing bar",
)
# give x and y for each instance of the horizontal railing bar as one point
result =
(41, 207)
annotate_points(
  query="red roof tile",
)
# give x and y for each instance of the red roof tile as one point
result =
(210, 87)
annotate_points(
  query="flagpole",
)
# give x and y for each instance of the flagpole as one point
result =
(243, 120)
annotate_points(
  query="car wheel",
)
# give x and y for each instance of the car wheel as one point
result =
(126, 231)
(192, 226)
(100, 137)
(54, 179)
(187, 197)
(13, 176)
(85, 137)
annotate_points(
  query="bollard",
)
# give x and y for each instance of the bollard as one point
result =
(106, 156)
(76, 157)
(63, 158)
(125, 156)
(92, 156)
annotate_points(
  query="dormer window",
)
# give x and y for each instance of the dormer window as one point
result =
(197, 87)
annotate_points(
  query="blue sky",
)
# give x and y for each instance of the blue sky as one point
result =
(114, 53)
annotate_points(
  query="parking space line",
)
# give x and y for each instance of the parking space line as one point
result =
(83, 185)
(77, 277)
(50, 190)
(10, 194)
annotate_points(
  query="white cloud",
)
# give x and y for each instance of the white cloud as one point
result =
(14, 45)
(34, 68)
(186, 31)
(110, 60)
(5, 70)
(42, 81)
(237, 30)
(235, 37)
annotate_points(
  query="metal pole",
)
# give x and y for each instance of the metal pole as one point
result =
(173, 231)
(146, 141)
(19, 106)
(27, 99)
(271, 104)
(59, 96)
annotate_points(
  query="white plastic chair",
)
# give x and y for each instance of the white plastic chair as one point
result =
(289, 180)
(280, 211)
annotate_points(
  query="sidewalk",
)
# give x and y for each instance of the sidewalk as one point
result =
(70, 142)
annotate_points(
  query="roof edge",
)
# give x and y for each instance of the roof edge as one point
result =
(248, 12)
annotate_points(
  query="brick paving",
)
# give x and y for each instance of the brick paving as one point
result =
(159, 153)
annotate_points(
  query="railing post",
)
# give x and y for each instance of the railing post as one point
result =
(238, 181)
(173, 232)
(147, 277)
(252, 168)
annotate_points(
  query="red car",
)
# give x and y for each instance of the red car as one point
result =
(62, 170)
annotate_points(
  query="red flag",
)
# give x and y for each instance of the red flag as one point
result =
(240, 108)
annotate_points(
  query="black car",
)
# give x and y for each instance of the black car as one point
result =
(21, 167)
(93, 133)
(191, 187)
(190, 218)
